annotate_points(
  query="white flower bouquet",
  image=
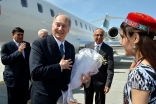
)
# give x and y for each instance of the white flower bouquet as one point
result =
(86, 61)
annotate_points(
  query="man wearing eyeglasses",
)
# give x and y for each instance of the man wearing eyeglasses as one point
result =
(15, 57)
(101, 82)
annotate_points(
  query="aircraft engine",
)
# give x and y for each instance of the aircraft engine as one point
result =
(113, 34)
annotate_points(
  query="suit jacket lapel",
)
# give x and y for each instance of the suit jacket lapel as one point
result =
(53, 47)
(26, 52)
(14, 46)
(66, 50)
(101, 49)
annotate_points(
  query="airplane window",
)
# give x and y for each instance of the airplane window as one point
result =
(76, 23)
(52, 13)
(81, 25)
(24, 3)
(92, 29)
(40, 9)
(86, 26)
(89, 28)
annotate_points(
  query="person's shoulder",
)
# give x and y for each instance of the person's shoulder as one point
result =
(141, 70)
(88, 44)
(145, 68)
(68, 43)
(46, 38)
(26, 42)
(7, 43)
(139, 74)
(107, 46)
(40, 40)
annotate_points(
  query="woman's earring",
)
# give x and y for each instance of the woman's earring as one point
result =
(133, 50)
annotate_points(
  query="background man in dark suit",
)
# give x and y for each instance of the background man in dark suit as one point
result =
(101, 82)
(15, 57)
(51, 61)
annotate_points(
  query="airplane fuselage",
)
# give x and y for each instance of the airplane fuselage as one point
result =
(33, 15)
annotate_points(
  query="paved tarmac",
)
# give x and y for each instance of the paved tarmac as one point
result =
(115, 95)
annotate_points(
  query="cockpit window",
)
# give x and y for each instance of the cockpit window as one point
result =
(24, 3)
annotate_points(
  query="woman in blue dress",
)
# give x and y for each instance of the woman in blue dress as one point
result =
(138, 37)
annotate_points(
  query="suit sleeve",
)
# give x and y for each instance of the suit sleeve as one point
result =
(7, 57)
(110, 68)
(38, 68)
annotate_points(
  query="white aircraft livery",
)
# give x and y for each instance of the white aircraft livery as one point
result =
(33, 15)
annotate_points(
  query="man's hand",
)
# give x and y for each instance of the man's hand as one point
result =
(85, 78)
(65, 64)
(106, 89)
(22, 47)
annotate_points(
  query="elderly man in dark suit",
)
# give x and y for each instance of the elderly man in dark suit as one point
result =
(15, 57)
(101, 82)
(51, 61)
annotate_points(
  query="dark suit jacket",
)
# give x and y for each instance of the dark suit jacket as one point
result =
(106, 72)
(16, 72)
(45, 68)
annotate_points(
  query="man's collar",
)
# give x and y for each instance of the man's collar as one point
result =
(58, 41)
(16, 42)
(95, 44)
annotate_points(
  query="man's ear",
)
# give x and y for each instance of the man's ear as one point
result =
(136, 37)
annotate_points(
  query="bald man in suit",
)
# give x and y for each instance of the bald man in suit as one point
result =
(101, 82)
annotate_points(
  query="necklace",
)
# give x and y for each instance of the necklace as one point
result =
(139, 61)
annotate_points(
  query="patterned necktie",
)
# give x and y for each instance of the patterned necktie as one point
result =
(96, 48)
(61, 50)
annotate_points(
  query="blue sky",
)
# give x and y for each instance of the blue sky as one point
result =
(90, 10)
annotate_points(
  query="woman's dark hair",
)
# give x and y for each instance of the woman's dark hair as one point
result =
(146, 44)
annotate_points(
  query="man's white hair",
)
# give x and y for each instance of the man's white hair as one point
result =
(44, 30)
